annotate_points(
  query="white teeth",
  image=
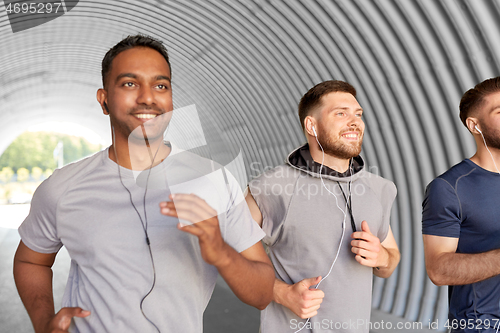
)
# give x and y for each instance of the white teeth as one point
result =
(351, 136)
(145, 116)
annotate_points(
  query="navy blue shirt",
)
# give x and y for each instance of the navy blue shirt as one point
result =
(464, 203)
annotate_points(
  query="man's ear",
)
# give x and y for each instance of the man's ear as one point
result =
(102, 98)
(309, 123)
(471, 125)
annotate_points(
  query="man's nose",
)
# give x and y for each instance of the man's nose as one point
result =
(146, 96)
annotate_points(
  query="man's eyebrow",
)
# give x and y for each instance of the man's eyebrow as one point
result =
(121, 76)
(496, 107)
(162, 77)
(134, 76)
(345, 108)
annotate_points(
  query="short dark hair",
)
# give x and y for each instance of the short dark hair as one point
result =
(473, 98)
(312, 99)
(129, 43)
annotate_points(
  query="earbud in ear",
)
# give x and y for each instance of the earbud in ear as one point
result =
(478, 129)
(314, 131)
(106, 107)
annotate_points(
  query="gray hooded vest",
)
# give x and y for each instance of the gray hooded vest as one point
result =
(303, 223)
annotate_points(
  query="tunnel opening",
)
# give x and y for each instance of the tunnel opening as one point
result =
(32, 157)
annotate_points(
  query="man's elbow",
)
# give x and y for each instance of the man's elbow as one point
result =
(436, 278)
(265, 301)
(261, 301)
(267, 294)
(263, 305)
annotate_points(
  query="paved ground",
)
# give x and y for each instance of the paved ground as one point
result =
(225, 313)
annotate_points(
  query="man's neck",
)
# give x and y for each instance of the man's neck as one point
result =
(338, 164)
(485, 160)
(138, 156)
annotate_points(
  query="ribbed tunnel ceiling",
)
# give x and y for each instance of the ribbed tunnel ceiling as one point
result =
(245, 64)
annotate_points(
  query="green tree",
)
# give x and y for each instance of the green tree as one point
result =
(35, 149)
(6, 174)
(22, 174)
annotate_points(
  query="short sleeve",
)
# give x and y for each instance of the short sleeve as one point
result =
(441, 211)
(241, 231)
(38, 231)
(272, 206)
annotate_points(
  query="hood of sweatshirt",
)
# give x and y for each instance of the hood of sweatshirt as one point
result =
(302, 160)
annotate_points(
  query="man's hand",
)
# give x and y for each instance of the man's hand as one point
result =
(62, 320)
(299, 297)
(367, 248)
(249, 274)
(205, 225)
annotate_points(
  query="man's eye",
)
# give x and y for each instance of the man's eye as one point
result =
(162, 86)
(128, 84)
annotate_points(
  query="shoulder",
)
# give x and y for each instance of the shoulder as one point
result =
(378, 184)
(281, 174)
(66, 176)
(449, 179)
(47, 196)
(458, 171)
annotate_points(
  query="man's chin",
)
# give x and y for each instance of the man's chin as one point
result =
(139, 138)
(150, 130)
(344, 152)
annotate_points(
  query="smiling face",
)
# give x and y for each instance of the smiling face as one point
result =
(138, 91)
(340, 127)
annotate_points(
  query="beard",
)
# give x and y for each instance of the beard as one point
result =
(335, 146)
(491, 136)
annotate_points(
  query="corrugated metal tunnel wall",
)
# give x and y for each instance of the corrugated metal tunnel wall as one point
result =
(245, 64)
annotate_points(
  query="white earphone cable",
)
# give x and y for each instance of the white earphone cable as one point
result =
(343, 221)
(484, 140)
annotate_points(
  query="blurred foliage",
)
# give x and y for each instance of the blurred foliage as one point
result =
(36, 173)
(35, 149)
(6, 174)
(23, 174)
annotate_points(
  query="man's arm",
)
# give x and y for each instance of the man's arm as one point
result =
(383, 257)
(249, 274)
(33, 277)
(446, 267)
(301, 300)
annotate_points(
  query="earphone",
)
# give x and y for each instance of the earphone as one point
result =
(484, 140)
(106, 107)
(344, 211)
(144, 225)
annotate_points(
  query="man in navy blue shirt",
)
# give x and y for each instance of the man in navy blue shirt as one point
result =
(461, 219)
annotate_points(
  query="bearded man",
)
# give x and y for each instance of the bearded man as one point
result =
(460, 220)
(306, 207)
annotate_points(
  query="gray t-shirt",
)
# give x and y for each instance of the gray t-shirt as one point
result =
(84, 207)
(303, 228)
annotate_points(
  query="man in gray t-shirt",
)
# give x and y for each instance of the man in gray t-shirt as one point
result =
(326, 221)
(134, 266)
